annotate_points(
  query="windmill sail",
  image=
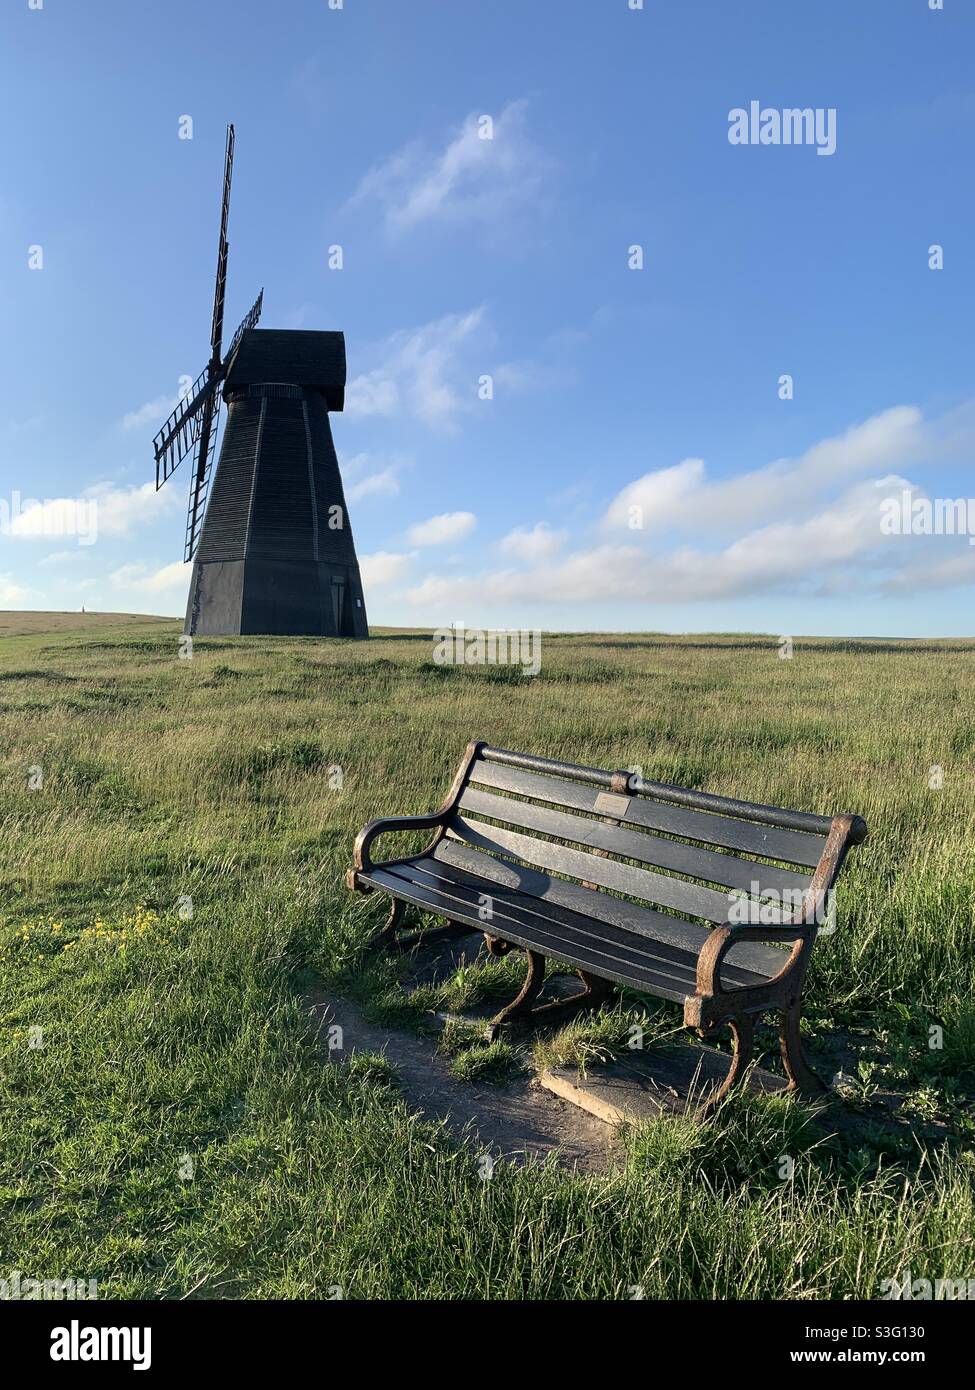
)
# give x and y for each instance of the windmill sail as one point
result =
(223, 248)
(206, 439)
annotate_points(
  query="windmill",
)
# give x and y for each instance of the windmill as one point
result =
(266, 527)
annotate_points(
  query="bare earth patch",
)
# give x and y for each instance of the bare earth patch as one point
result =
(518, 1121)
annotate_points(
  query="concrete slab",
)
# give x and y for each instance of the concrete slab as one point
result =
(642, 1086)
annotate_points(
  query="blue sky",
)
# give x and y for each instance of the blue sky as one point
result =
(655, 389)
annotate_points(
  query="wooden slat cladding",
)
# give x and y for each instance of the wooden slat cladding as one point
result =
(680, 858)
(748, 837)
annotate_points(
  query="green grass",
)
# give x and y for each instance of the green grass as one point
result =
(174, 1043)
(599, 1037)
(494, 1063)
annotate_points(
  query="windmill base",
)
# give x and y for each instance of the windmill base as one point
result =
(231, 598)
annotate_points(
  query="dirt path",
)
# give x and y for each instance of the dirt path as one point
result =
(518, 1121)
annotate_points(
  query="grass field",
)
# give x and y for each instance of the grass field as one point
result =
(166, 1124)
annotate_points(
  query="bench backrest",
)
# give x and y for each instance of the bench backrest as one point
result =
(599, 829)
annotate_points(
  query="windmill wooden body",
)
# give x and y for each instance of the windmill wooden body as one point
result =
(270, 539)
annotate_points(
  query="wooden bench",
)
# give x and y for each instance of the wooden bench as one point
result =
(546, 856)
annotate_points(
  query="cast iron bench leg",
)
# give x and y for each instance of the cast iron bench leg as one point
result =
(742, 1029)
(595, 992)
(523, 1000)
(387, 932)
(801, 1076)
(386, 935)
(802, 1079)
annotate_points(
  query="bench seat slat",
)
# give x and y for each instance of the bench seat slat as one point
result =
(675, 893)
(606, 958)
(511, 913)
(505, 902)
(768, 841)
(635, 844)
(590, 902)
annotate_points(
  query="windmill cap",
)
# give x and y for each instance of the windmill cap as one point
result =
(309, 359)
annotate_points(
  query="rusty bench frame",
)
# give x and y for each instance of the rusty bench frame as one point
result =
(711, 1007)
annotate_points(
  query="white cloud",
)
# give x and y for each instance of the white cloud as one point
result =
(472, 179)
(788, 557)
(817, 534)
(374, 475)
(424, 372)
(433, 372)
(124, 509)
(58, 558)
(383, 567)
(372, 393)
(153, 412)
(657, 497)
(11, 591)
(948, 572)
(384, 484)
(683, 497)
(532, 546)
(102, 510)
(527, 374)
(167, 580)
(439, 530)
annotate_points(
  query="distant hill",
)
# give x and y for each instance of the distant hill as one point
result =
(26, 624)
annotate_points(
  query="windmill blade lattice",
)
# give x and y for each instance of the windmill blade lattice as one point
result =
(199, 492)
(249, 320)
(182, 429)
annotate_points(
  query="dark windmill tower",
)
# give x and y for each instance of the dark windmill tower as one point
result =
(270, 539)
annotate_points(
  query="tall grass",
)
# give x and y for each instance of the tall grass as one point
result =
(166, 1038)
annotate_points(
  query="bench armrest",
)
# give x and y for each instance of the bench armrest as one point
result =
(361, 858)
(361, 861)
(801, 929)
(723, 939)
(710, 1002)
